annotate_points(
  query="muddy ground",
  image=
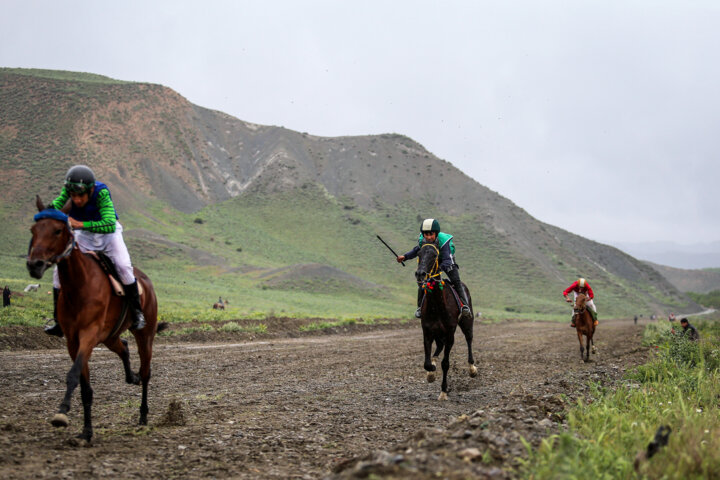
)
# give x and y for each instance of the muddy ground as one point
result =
(350, 404)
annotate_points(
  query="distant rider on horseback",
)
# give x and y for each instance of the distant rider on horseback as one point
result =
(581, 286)
(430, 232)
(94, 221)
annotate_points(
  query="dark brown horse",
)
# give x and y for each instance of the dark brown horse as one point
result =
(439, 316)
(585, 326)
(87, 311)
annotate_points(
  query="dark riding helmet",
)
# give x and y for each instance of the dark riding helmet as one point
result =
(430, 225)
(79, 179)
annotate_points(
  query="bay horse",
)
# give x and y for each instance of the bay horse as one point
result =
(584, 325)
(439, 316)
(88, 311)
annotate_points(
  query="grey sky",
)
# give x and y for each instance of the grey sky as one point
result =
(602, 109)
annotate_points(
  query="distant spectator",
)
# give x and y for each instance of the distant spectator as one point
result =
(689, 331)
(635, 319)
(6, 296)
(671, 317)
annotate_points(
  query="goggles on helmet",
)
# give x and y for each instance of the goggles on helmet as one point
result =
(77, 187)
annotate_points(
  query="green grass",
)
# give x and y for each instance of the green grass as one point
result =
(678, 388)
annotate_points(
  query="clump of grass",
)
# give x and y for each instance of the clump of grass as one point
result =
(235, 327)
(679, 387)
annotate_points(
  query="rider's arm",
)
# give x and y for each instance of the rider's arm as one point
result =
(569, 289)
(412, 253)
(590, 292)
(60, 201)
(446, 259)
(106, 224)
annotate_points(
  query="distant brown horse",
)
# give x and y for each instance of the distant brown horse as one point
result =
(218, 306)
(439, 316)
(88, 311)
(584, 325)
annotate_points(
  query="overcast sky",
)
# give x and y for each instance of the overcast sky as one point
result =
(606, 108)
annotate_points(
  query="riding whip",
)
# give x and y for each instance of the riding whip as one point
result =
(389, 248)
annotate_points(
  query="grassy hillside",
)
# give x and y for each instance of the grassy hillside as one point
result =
(281, 222)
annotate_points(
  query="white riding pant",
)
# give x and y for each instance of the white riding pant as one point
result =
(589, 302)
(112, 245)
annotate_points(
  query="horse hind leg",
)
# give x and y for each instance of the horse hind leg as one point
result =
(144, 343)
(467, 329)
(120, 347)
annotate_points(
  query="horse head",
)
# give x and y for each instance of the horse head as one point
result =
(580, 303)
(428, 267)
(52, 240)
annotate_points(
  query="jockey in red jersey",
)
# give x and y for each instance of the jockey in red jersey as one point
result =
(581, 286)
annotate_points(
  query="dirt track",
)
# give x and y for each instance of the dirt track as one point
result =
(340, 405)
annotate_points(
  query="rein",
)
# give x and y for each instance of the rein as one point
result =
(429, 280)
(55, 259)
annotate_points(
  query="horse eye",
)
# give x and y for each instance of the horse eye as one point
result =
(58, 232)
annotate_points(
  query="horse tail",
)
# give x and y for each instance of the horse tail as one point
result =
(162, 326)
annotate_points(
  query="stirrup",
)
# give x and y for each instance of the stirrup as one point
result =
(54, 329)
(418, 312)
(465, 312)
(138, 322)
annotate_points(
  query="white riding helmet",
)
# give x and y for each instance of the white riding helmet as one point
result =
(581, 282)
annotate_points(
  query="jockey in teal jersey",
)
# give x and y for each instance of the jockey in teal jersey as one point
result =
(94, 221)
(429, 232)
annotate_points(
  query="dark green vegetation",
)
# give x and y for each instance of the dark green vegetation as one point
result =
(281, 222)
(710, 299)
(678, 388)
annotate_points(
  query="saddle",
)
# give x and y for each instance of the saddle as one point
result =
(108, 267)
(445, 281)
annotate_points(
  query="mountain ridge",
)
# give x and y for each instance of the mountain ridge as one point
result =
(159, 151)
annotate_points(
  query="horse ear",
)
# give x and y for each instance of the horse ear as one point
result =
(39, 203)
(66, 208)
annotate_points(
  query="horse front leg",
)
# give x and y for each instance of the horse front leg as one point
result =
(73, 378)
(446, 366)
(587, 348)
(86, 393)
(429, 365)
(466, 325)
(580, 339)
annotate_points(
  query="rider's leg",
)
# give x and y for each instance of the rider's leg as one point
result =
(54, 328)
(454, 276)
(420, 297)
(591, 304)
(116, 249)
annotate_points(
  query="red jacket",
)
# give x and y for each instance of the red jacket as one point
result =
(576, 288)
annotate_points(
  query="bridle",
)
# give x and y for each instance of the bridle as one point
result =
(55, 259)
(432, 277)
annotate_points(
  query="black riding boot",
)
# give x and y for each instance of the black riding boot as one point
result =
(133, 297)
(421, 296)
(54, 329)
(454, 276)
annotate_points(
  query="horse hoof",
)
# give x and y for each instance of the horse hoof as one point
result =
(442, 397)
(430, 377)
(434, 361)
(594, 350)
(60, 420)
(473, 371)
